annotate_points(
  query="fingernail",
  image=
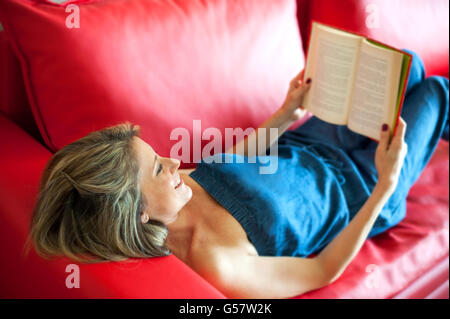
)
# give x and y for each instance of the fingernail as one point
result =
(308, 81)
(384, 127)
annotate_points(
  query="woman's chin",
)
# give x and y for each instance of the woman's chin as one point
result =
(187, 191)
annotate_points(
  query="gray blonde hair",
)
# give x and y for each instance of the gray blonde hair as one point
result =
(89, 202)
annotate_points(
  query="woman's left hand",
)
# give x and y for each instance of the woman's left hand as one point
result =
(292, 105)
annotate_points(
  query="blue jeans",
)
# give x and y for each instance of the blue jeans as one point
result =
(425, 111)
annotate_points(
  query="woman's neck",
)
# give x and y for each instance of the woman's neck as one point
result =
(182, 230)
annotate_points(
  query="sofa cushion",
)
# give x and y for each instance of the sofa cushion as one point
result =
(421, 26)
(13, 97)
(159, 64)
(385, 265)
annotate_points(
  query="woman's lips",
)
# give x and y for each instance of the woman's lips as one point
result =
(180, 184)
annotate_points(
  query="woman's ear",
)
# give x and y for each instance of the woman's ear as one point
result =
(144, 218)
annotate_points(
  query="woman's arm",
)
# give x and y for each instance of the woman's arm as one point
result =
(286, 277)
(279, 120)
(243, 276)
(343, 248)
(282, 119)
(240, 276)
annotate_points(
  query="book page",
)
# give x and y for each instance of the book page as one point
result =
(375, 91)
(331, 64)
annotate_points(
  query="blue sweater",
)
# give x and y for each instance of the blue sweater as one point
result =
(296, 211)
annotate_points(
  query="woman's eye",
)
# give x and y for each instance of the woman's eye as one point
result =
(159, 169)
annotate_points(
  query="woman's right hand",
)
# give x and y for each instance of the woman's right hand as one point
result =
(389, 157)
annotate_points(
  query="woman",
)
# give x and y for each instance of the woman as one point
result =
(109, 196)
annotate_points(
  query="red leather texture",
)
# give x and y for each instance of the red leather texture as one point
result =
(159, 64)
(386, 264)
(13, 98)
(418, 25)
(162, 64)
(433, 284)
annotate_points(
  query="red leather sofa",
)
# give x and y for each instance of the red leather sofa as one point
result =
(164, 64)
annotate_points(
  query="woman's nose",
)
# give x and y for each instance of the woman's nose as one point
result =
(175, 164)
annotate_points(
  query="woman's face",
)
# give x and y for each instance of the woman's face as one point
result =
(160, 184)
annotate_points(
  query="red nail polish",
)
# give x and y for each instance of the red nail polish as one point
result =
(384, 127)
(308, 81)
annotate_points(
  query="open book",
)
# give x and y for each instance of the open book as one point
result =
(357, 81)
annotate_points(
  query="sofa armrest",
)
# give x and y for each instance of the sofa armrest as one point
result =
(22, 159)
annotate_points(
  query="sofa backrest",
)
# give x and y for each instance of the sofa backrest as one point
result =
(428, 37)
(157, 64)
